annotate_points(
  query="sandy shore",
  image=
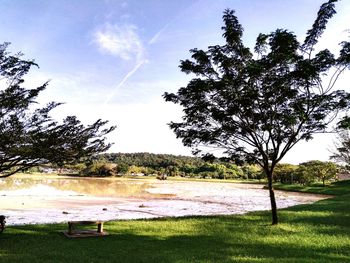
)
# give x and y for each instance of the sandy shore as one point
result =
(45, 204)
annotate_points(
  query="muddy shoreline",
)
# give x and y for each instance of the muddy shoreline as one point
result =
(43, 202)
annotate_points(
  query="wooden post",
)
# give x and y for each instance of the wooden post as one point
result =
(2, 223)
(70, 228)
(100, 227)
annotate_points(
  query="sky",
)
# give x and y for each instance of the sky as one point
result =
(113, 59)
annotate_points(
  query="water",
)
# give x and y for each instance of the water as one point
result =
(40, 199)
(75, 186)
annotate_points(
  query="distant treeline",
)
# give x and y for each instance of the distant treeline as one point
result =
(164, 165)
(169, 165)
(151, 160)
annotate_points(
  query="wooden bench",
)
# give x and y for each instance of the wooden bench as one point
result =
(74, 232)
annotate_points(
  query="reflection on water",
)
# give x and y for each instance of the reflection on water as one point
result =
(83, 186)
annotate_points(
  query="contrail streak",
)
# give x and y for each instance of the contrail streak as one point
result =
(127, 76)
(156, 36)
(154, 39)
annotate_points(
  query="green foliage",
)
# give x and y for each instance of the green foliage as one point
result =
(149, 159)
(133, 170)
(172, 170)
(185, 166)
(336, 188)
(341, 153)
(286, 173)
(318, 171)
(28, 135)
(172, 165)
(234, 171)
(122, 168)
(100, 169)
(251, 171)
(257, 105)
(305, 173)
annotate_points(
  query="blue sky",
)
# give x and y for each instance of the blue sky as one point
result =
(114, 59)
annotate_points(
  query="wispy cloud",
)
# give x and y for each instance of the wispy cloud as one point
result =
(120, 41)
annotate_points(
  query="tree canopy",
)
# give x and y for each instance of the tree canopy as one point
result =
(28, 134)
(257, 104)
(341, 151)
(172, 165)
(319, 170)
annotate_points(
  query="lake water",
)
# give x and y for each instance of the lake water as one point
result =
(38, 199)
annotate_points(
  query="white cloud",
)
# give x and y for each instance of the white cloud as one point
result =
(120, 41)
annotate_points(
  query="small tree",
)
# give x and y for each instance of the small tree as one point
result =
(29, 136)
(100, 168)
(233, 171)
(258, 105)
(322, 171)
(303, 176)
(122, 168)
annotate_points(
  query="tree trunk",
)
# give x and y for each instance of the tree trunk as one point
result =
(272, 199)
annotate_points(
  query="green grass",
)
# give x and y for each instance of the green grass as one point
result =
(318, 232)
(336, 188)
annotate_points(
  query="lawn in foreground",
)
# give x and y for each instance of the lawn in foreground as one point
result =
(318, 232)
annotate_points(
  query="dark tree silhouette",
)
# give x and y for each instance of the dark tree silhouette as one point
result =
(258, 105)
(28, 135)
(341, 151)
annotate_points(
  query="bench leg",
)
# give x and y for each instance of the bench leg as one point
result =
(100, 228)
(70, 228)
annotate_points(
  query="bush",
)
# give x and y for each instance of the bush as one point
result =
(100, 169)
(317, 171)
(286, 173)
(251, 171)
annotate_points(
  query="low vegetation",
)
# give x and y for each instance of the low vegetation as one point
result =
(172, 166)
(121, 164)
(318, 232)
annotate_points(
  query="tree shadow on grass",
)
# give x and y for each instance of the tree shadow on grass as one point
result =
(212, 239)
(54, 247)
(333, 212)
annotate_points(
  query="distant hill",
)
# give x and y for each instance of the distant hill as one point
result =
(151, 160)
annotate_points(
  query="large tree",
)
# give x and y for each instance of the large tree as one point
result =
(256, 105)
(28, 135)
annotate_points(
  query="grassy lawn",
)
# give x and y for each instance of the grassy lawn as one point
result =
(318, 232)
(336, 188)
